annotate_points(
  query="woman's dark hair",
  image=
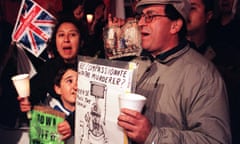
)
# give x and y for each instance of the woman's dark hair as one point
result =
(62, 71)
(64, 19)
(173, 14)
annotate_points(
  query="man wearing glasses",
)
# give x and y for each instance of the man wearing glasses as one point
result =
(186, 97)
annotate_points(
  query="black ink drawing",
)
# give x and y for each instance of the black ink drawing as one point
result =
(96, 118)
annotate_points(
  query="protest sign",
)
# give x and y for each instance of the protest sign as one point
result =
(122, 41)
(43, 125)
(100, 82)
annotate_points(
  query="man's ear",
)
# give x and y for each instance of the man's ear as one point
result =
(57, 89)
(176, 26)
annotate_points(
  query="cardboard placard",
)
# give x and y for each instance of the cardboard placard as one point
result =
(100, 82)
(122, 41)
(43, 125)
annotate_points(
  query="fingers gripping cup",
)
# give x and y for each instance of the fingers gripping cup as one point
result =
(132, 101)
(22, 84)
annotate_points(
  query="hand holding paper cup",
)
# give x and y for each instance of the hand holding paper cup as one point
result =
(22, 84)
(132, 101)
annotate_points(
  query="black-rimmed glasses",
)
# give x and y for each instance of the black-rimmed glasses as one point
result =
(149, 17)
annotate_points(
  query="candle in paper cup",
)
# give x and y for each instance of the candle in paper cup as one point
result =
(132, 101)
(22, 84)
(89, 18)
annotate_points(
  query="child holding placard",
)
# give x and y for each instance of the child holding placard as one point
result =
(65, 85)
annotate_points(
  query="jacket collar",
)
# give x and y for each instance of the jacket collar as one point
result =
(169, 55)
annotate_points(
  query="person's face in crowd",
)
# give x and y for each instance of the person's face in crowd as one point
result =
(67, 41)
(99, 11)
(198, 18)
(156, 34)
(68, 88)
(78, 12)
(225, 6)
(134, 3)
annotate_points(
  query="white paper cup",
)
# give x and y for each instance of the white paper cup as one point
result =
(22, 84)
(132, 101)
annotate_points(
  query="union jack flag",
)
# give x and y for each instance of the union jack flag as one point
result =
(33, 27)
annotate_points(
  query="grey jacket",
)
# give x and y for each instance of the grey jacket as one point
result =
(186, 99)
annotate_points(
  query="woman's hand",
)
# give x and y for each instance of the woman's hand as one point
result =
(114, 21)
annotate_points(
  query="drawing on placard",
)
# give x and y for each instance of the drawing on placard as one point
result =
(93, 118)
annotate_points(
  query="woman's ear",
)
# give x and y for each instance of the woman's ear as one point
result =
(57, 89)
(176, 26)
